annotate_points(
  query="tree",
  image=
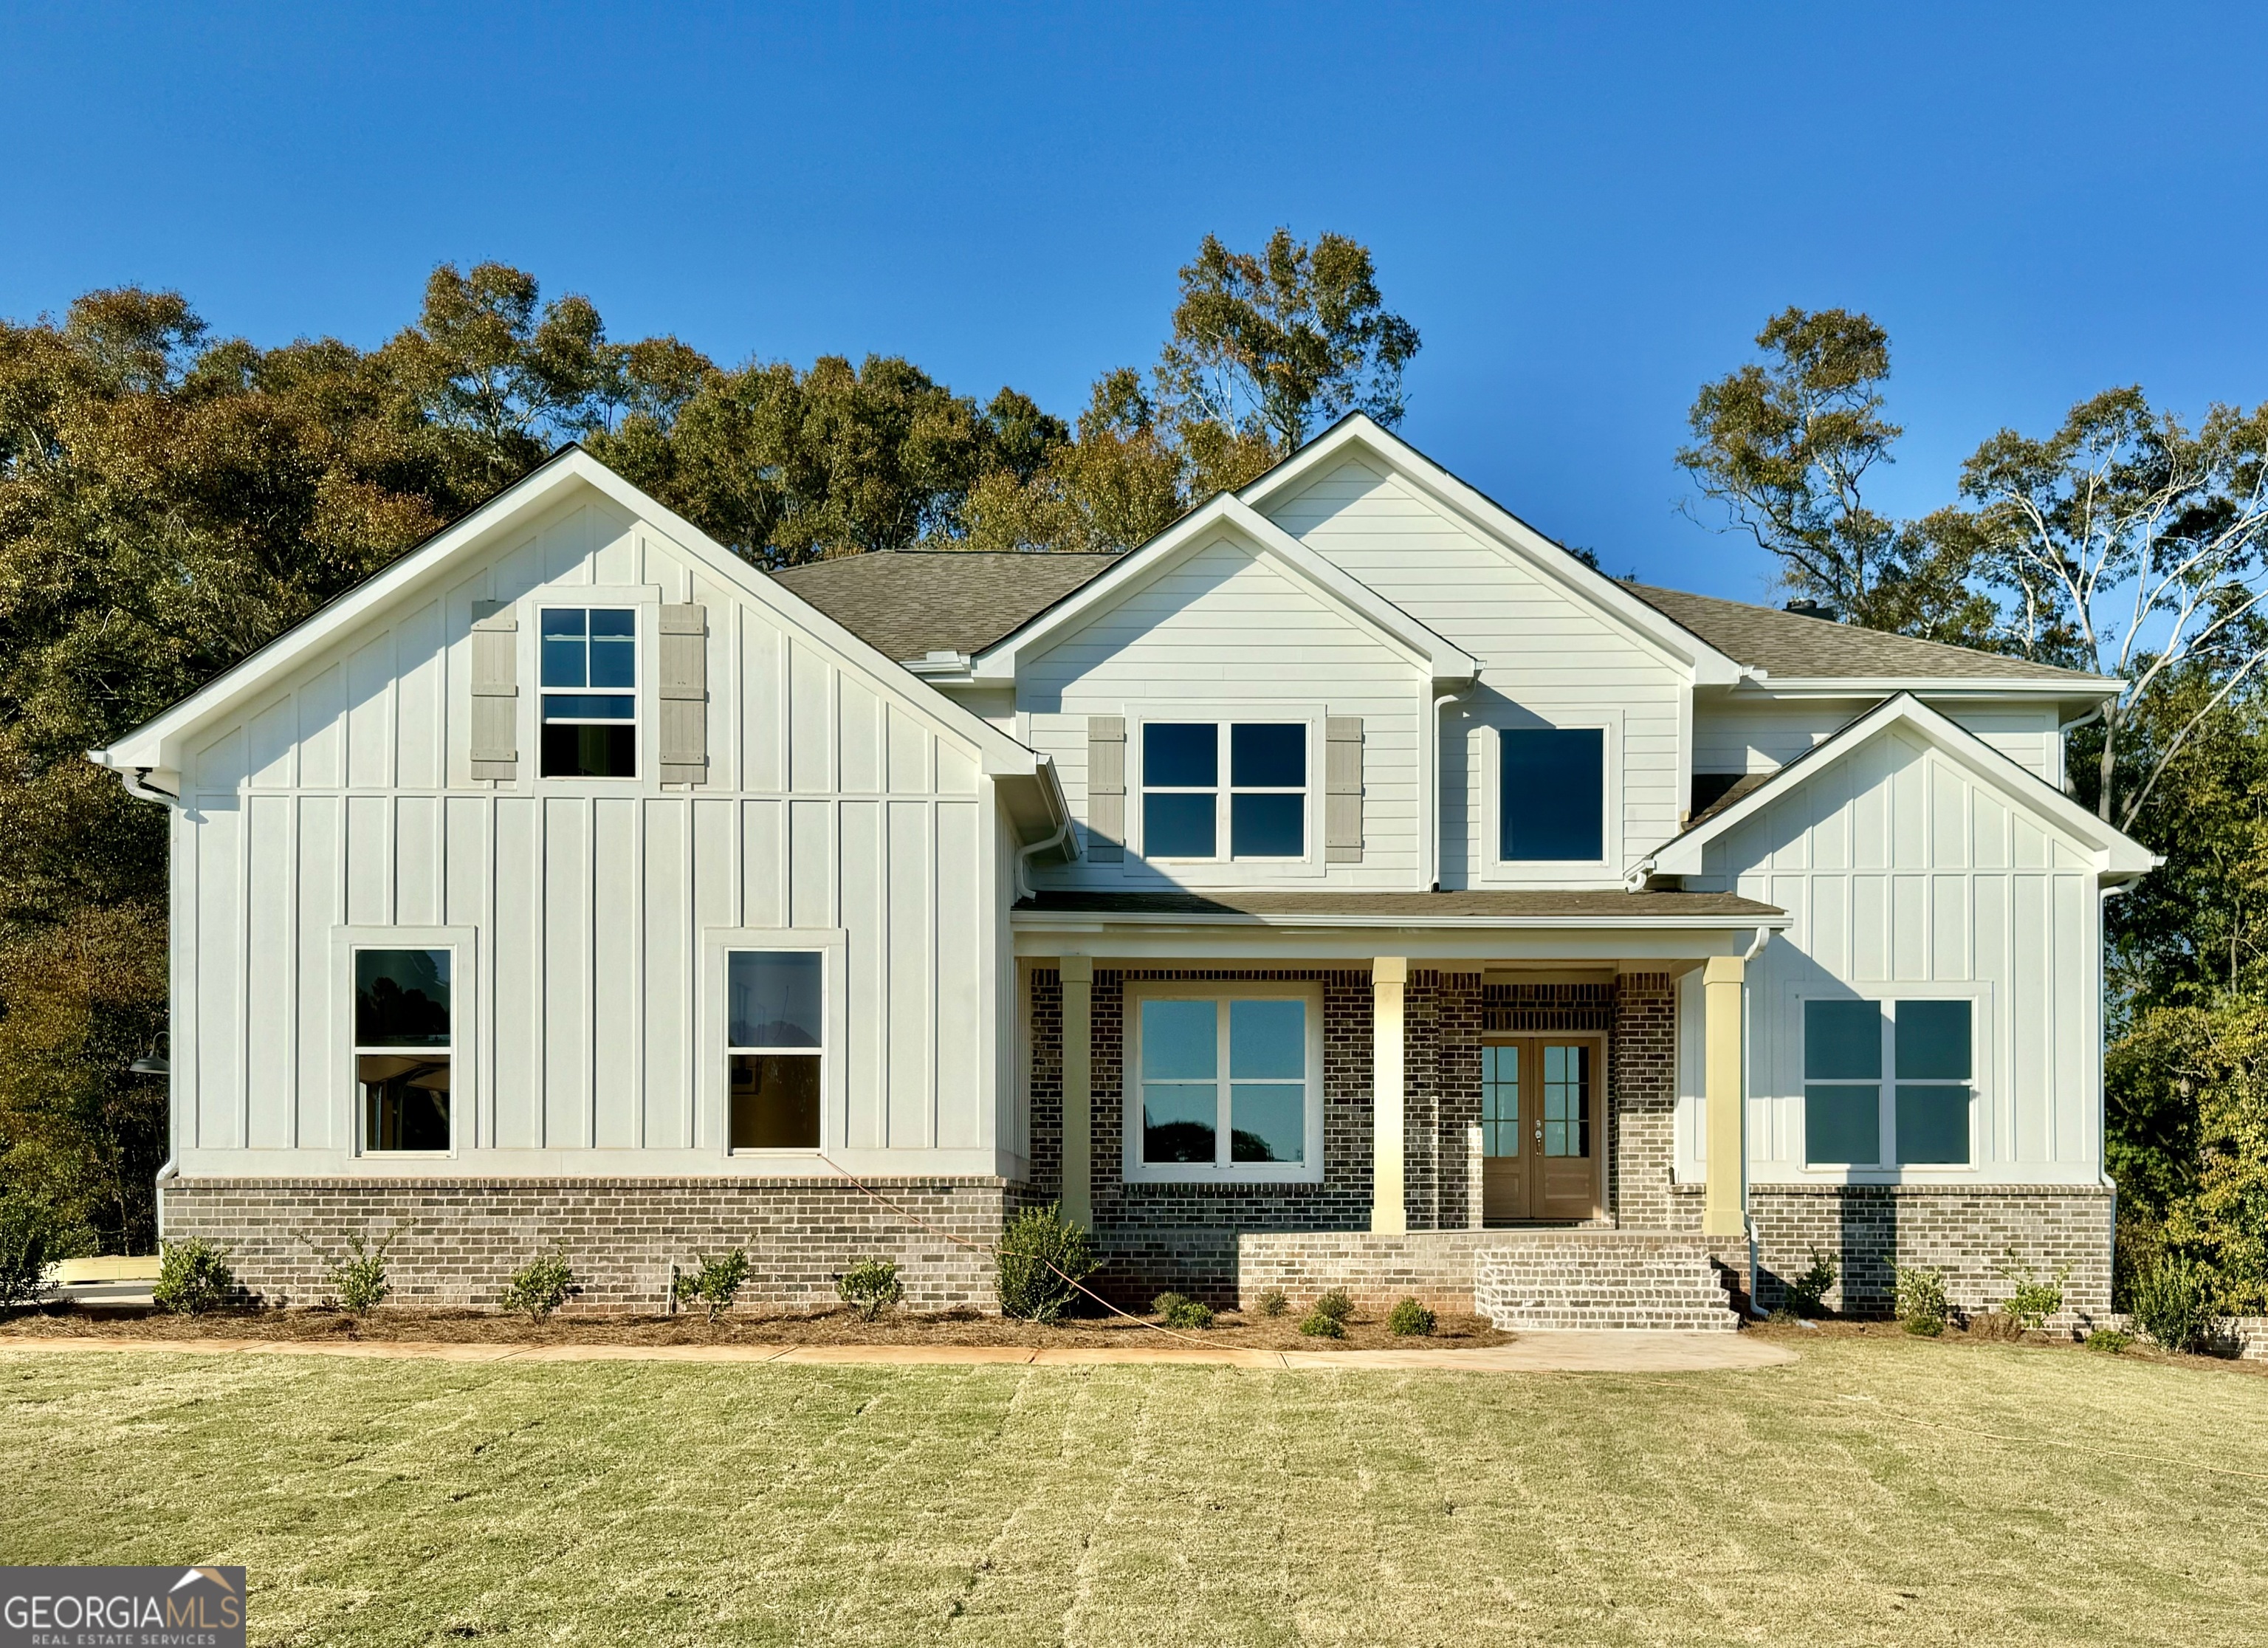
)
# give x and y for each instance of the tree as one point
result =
(1275, 342)
(1118, 485)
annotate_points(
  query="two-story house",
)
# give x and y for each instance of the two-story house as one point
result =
(1347, 887)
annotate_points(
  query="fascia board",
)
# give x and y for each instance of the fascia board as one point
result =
(2116, 852)
(1496, 525)
(1045, 920)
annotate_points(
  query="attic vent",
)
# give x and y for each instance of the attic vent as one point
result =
(1808, 607)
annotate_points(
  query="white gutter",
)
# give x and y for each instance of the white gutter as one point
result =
(1414, 922)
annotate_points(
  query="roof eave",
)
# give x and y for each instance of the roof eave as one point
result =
(2090, 688)
(1776, 920)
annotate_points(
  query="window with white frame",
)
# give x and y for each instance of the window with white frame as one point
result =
(774, 1033)
(1551, 794)
(1888, 1082)
(1261, 811)
(403, 1047)
(589, 668)
(1224, 1084)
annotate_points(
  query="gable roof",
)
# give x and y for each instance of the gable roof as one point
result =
(2118, 855)
(1786, 645)
(155, 744)
(912, 602)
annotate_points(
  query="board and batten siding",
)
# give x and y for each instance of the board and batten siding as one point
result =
(1222, 631)
(345, 799)
(1543, 654)
(1900, 869)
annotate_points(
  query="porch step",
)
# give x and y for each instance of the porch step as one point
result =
(1594, 1278)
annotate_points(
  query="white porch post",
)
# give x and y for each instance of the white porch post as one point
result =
(1077, 974)
(1389, 977)
(1723, 1096)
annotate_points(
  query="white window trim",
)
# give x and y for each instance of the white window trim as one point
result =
(1134, 1169)
(464, 1027)
(715, 1119)
(1595, 873)
(1983, 1061)
(645, 600)
(1222, 868)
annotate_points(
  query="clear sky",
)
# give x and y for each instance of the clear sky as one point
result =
(1586, 210)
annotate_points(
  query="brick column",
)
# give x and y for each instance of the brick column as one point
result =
(1389, 979)
(1077, 1089)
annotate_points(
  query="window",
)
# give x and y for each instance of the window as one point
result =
(1262, 809)
(1928, 1048)
(1551, 788)
(1224, 1084)
(1501, 1101)
(402, 1044)
(590, 692)
(774, 1042)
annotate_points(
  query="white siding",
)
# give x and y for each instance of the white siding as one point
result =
(345, 798)
(1756, 737)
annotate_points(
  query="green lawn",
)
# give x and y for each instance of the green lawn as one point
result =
(1879, 1490)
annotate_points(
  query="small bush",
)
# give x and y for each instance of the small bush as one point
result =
(714, 1284)
(2033, 1301)
(1410, 1320)
(33, 1236)
(540, 1286)
(1272, 1303)
(193, 1277)
(1321, 1324)
(1041, 1257)
(2173, 1304)
(1335, 1305)
(1921, 1304)
(357, 1278)
(1180, 1311)
(871, 1287)
(1807, 1293)
(2110, 1340)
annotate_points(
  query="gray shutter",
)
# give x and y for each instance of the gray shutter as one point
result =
(1343, 790)
(496, 690)
(684, 657)
(1106, 788)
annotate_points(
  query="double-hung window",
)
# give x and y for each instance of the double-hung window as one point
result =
(402, 1047)
(1551, 794)
(775, 1038)
(589, 661)
(1260, 813)
(1223, 1085)
(1887, 1081)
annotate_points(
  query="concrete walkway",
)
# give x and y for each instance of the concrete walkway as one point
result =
(1629, 1351)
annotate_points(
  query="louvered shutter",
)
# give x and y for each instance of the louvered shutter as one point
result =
(1106, 788)
(496, 690)
(1343, 790)
(684, 719)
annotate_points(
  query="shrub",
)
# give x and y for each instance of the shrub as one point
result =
(1335, 1305)
(1921, 1304)
(871, 1287)
(1272, 1303)
(33, 1236)
(2112, 1339)
(540, 1286)
(193, 1277)
(1410, 1320)
(715, 1283)
(1321, 1324)
(1807, 1293)
(357, 1278)
(2173, 1304)
(1042, 1257)
(2033, 1301)
(1179, 1310)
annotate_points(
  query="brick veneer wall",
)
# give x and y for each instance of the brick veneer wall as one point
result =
(1439, 1268)
(1642, 1127)
(461, 1239)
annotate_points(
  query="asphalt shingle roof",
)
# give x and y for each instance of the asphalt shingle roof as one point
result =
(1508, 905)
(909, 602)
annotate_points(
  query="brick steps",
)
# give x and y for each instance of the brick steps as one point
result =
(1615, 1279)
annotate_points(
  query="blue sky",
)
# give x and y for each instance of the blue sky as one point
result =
(1586, 209)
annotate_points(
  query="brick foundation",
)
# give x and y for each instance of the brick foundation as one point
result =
(461, 1239)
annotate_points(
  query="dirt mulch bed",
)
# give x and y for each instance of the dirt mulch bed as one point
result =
(838, 1326)
(1983, 1328)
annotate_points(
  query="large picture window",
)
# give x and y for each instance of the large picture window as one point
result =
(1887, 1081)
(775, 1037)
(1223, 1085)
(403, 1047)
(1261, 811)
(589, 667)
(1552, 790)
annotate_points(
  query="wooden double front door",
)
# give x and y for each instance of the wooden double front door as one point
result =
(1543, 1127)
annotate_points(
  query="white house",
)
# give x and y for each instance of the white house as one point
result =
(1347, 885)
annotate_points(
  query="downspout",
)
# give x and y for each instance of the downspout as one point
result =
(2102, 1120)
(1024, 855)
(1747, 1215)
(1440, 800)
(136, 782)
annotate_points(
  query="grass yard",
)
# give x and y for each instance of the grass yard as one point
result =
(1880, 1489)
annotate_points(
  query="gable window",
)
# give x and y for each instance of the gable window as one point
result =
(590, 692)
(402, 1045)
(1853, 1116)
(1224, 1085)
(775, 1037)
(1260, 813)
(1552, 790)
